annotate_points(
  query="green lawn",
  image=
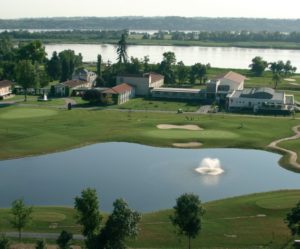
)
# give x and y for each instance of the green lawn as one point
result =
(252, 221)
(161, 105)
(23, 129)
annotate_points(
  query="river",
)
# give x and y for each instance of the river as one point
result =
(223, 57)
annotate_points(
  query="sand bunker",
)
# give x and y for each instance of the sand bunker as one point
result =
(294, 84)
(184, 127)
(188, 145)
(289, 79)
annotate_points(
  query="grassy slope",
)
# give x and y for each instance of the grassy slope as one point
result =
(48, 130)
(229, 223)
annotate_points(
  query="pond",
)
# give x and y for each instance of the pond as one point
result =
(148, 178)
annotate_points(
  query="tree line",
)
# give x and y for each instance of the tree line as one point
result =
(114, 35)
(155, 23)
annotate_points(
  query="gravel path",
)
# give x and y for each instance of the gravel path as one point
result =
(293, 155)
(40, 235)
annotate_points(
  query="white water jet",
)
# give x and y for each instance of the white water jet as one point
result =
(210, 166)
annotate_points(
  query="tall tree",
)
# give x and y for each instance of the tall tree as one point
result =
(88, 215)
(69, 62)
(188, 212)
(53, 67)
(182, 72)
(64, 240)
(258, 65)
(26, 75)
(122, 50)
(21, 215)
(293, 220)
(166, 67)
(276, 79)
(121, 224)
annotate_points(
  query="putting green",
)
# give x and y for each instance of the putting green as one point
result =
(48, 216)
(280, 202)
(181, 134)
(27, 113)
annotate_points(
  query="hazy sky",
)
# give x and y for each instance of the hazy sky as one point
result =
(211, 8)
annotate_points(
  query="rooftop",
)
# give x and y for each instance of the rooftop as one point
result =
(236, 77)
(5, 83)
(119, 89)
(153, 76)
(258, 93)
(73, 83)
(177, 90)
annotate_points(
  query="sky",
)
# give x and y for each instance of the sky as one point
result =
(10, 9)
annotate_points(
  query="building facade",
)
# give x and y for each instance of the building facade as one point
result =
(143, 84)
(5, 89)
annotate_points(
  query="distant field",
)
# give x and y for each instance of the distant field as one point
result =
(252, 221)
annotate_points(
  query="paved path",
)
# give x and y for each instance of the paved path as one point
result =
(292, 154)
(68, 100)
(40, 235)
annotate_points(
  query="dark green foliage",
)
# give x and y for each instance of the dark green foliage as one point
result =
(166, 67)
(293, 220)
(21, 215)
(41, 244)
(198, 71)
(121, 224)
(182, 72)
(258, 65)
(33, 51)
(26, 75)
(4, 242)
(187, 215)
(92, 95)
(54, 67)
(69, 62)
(89, 217)
(122, 49)
(64, 240)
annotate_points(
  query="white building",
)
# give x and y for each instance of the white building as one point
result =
(5, 89)
(219, 87)
(120, 94)
(143, 84)
(178, 93)
(260, 99)
(85, 75)
(68, 87)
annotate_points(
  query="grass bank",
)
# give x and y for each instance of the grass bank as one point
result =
(31, 131)
(252, 221)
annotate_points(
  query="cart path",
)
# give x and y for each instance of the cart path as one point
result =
(292, 154)
(30, 235)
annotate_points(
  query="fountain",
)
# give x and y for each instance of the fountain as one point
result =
(210, 166)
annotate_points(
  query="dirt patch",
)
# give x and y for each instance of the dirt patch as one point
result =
(188, 145)
(184, 127)
(289, 79)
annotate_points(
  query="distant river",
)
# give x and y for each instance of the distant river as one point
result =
(217, 56)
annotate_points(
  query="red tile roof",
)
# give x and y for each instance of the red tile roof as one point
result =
(119, 89)
(5, 83)
(231, 76)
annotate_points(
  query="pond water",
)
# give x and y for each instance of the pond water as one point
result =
(230, 57)
(149, 178)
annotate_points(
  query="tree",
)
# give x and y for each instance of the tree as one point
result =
(293, 220)
(122, 50)
(187, 216)
(40, 244)
(21, 215)
(288, 68)
(88, 215)
(121, 224)
(258, 65)
(64, 240)
(276, 79)
(99, 80)
(69, 62)
(166, 67)
(33, 51)
(92, 95)
(182, 72)
(4, 242)
(198, 71)
(26, 75)
(53, 67)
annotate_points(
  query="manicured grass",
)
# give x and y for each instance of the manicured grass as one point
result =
(162, 105)
(252, 221)
(23, 129)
